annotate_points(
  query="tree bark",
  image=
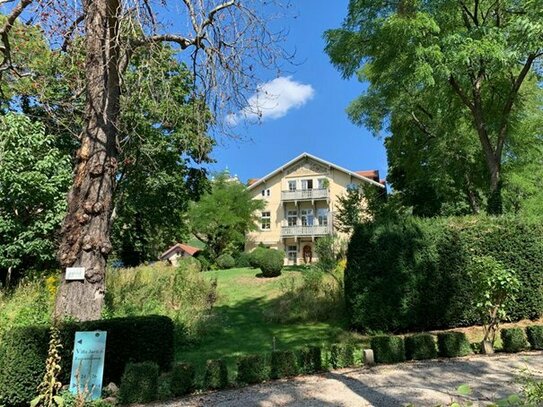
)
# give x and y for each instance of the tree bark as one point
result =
(85, 237)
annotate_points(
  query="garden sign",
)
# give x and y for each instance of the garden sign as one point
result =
(88, 364)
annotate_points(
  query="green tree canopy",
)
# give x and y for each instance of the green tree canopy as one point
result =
(223, 216)
(34, 178)
(454, 72)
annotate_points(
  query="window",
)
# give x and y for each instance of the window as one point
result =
(292, 185)
(266, 220)
(323, 183)
(307, 184)
(292, 253)
(307, 217)
(322, 215)
(292, 218)
(265, 192)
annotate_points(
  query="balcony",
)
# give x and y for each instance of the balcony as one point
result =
(299, 231)
(305, 194)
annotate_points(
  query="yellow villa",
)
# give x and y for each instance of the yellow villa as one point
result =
(301, 199)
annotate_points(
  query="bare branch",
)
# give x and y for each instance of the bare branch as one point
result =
(5, 48)
(70, 32)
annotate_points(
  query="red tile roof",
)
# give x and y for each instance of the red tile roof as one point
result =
(181, 246)
(371, 174)
(251, 181)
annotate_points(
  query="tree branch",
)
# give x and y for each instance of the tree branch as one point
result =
(70, 31)
(5, 48)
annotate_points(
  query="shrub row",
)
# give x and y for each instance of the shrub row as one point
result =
(23, 352)
(410, 274)
(139, 383)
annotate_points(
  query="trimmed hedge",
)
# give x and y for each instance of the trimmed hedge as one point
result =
(182, 379)
(139, 383)
(341, 356)
(131, 339)
(535, 336)
(216, 375)
(388, 349)
(310, 360)
(253, 369)
(283, 364)
(453, 344)
(513, 340)
(410, 274)
(420, 346)
(22, 364)
(243, 260)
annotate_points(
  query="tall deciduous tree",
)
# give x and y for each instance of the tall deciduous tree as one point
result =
(224, 215)
(34, 178)
(476, 55)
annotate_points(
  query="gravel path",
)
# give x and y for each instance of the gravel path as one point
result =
(420, 383)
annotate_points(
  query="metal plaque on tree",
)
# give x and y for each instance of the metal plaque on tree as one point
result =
(88, 364)
(75, 273)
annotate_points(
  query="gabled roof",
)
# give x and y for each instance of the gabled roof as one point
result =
(353, 174)
(179, 246)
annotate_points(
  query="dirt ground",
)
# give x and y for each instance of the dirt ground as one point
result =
(427, 383)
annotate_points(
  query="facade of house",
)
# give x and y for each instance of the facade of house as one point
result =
(301, 200)
(177, 251)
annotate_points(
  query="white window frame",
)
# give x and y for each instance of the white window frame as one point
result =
(324, 218)
(290, 183)
(265, 220)
(292, 255)
(321, 182)
(305, 184)
(292, 215)
(307, 214)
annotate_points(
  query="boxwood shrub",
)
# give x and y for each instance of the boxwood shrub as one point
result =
(310, 360)
(453, 344)
(271, 262)
(409, 274)
(182, 379)
(216, 374)
(22, 364)
(420, 346)
(253, 369)
(535, 336)
(388, 348)
(283, 364)
(139, 383)
(225, 261)
(341, 356)
(134, 339)
(513, 340)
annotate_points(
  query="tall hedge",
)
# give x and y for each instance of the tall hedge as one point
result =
(133, 339)
(410, 274)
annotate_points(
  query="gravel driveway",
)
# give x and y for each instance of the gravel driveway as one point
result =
(420, 383)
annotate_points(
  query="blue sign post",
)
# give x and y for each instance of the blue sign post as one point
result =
(88, 364)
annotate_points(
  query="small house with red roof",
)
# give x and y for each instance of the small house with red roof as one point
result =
(177, 251)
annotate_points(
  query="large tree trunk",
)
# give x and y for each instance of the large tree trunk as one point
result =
(86, 228)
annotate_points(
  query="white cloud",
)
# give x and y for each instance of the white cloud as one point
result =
(273, 100)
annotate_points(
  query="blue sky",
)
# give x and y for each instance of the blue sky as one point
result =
(320, 126)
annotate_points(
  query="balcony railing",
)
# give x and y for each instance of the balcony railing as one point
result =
(302, 194)
(305, 230)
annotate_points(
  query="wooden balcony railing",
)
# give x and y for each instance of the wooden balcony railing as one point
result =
(305, 231)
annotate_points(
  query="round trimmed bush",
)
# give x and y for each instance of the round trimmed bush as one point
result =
(513, 340)
(271, 262)
(216, 375)
(535, 336)
(182, 379)
(453, 344)
(253, 369)
(420, 346)
(226, 261)
(283, 364)
(243, 260)
(255, 256)
(388, 348)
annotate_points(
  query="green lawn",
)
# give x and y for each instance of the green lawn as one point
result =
(241, 327)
